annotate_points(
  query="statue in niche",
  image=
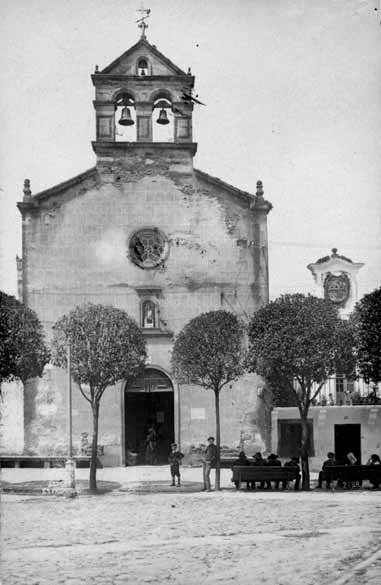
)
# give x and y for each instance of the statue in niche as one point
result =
(148, 315)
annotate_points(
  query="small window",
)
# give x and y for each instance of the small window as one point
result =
(339, 383)
(142, 67)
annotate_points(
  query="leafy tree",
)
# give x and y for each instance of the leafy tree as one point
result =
(209, 352)
(23, 353)
(106, 346)
(367, 322)
(297, 342)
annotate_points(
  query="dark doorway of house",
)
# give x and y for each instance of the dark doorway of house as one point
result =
(149, 404)
(290, 438)
(347, 439)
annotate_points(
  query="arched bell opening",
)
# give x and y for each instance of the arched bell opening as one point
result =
(125, 118)
(162, 120)
(143, 67)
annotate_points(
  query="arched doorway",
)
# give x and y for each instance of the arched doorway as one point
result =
(149, 403)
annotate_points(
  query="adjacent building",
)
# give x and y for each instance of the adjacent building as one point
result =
(346, 415)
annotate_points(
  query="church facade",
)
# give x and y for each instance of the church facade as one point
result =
(146, 232)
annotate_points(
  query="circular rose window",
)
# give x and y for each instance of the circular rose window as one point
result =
(148, 248)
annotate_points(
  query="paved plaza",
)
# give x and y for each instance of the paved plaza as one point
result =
(148, 532)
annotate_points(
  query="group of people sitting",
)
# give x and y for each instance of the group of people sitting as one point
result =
(271, 461)
(351, 459)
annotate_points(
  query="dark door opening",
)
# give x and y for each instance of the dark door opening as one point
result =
(290, 438)
(149, 403)
(347, 439)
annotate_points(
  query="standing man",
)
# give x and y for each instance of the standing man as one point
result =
(210, 458)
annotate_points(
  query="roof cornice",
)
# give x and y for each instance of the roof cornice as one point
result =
(35, 200)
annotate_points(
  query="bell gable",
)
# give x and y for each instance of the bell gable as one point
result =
(129, 63)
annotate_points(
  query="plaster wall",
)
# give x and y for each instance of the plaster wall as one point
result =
(76, 251)
(11, 418)
(324, 421)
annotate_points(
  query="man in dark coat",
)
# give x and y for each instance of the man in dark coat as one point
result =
(273, 461)
(241, 461)
(209, 460)
(293, 462)
(258, 461)
(324, 473)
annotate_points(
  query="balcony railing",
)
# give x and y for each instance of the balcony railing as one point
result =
(339, 391)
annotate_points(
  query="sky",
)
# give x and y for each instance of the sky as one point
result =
(293, 98)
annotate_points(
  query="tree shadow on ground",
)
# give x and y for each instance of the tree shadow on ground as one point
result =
(55, 487)
(162, 487)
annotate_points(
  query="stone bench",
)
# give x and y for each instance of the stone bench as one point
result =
(43, 461)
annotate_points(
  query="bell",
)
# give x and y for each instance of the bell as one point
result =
(162, 119)
(125, 119)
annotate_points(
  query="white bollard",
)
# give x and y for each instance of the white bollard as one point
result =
(69, 482)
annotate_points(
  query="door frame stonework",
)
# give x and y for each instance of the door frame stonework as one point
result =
(176, 410)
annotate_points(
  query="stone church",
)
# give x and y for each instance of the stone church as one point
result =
(144, 231)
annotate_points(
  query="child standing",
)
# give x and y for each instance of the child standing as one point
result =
(174, 459)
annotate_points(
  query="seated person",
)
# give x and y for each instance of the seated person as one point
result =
(273, 461)
(374, 460)
(351, 460)
(258, 461)
(241, 461)
(293, 462)
(330, 462)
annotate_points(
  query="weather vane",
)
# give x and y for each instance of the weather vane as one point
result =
(145, 12)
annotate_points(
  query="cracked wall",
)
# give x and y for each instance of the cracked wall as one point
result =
(76, 251)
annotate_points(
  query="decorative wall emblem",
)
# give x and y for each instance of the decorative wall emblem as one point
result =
(148, 248)
(336, 288)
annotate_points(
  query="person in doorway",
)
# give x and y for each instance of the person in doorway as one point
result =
(151, 440)
(174, 459)
(324, 473)
(209, 459)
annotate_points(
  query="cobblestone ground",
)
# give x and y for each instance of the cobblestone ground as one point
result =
(147, 532)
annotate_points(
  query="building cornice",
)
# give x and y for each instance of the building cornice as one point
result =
(106, 148)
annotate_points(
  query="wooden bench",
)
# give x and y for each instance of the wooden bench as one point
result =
(41, 461)
(251, 473)
(226, 462)
(353, 473)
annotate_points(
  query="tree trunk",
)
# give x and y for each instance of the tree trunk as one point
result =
(304, 452)
(218, 437)
(94, 449)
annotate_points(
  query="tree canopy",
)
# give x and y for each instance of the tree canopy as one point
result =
(367, 322)
(297, 342)
(209, 350)
(298, 337)
(106, 346)
(23, 353)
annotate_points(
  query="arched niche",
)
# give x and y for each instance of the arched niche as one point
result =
(143, 66)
